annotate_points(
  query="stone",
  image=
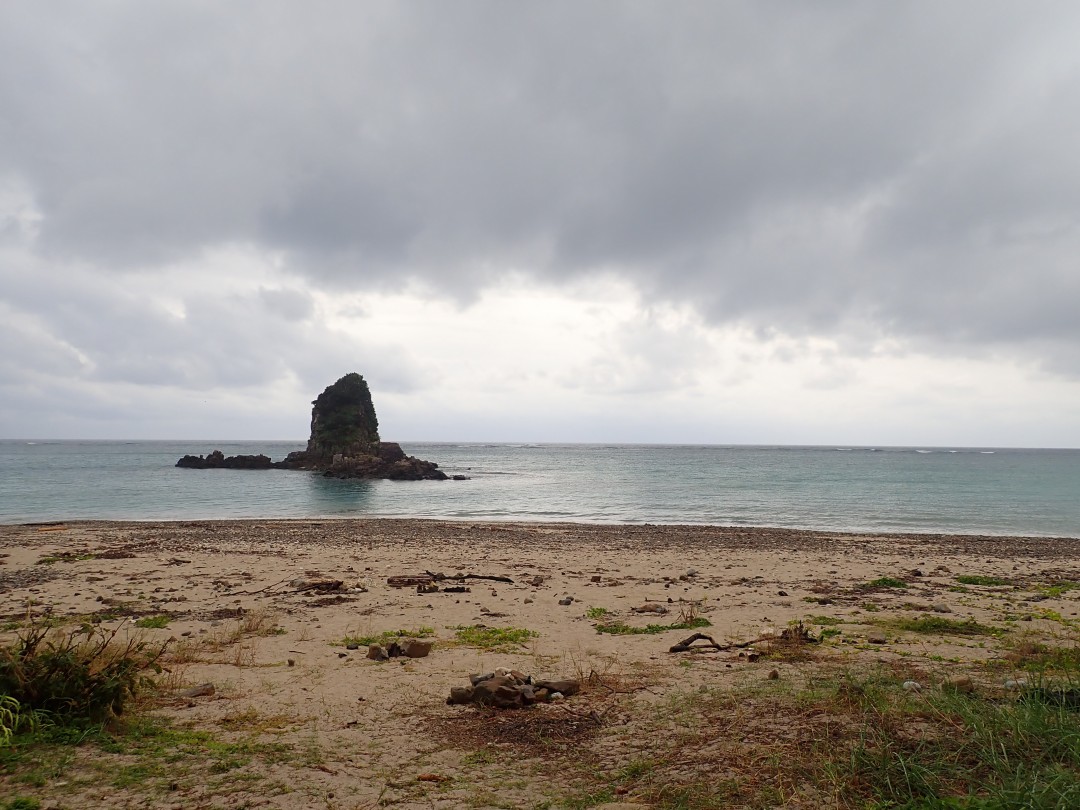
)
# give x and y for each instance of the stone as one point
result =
(774, 675)
(568, 600)
(960, 683)
(876, 640)
(415, 648)
(376, 652)
(460, 696)
(202, 690)
(912, 686)
(941, 607)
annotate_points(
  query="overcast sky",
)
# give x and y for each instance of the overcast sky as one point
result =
(703, 222)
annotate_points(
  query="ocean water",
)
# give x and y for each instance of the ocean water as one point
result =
(955, 490)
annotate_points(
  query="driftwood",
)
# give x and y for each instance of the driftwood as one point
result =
(686, 643)
(462, 577)
(796, 634)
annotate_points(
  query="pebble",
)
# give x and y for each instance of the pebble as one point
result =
(912, 686)
(774, 675)
(566, 601)
(1019, 683)
(877, 640)
(941, 607)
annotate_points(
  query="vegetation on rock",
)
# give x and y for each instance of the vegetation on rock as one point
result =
(343, 420)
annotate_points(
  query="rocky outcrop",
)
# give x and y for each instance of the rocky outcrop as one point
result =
(344, 442)
(217, 460)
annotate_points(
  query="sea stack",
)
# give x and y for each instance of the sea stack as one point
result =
(344, 442)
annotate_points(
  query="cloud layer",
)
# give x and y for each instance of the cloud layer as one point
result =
(186, 189)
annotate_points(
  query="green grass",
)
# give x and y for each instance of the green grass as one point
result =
(156, 622)
(617, 628)
(978, 579)
(596, 612)
(941, 625)
(388, 637)
(824, 621)
(495, 639)
(882, 747)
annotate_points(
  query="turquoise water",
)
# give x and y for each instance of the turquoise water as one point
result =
(958, 490)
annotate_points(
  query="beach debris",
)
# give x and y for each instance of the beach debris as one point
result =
(429, 578)
(317, 585)
(650, 607)
(509, 689)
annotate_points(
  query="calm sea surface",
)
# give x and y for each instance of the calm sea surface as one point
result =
(959, 490)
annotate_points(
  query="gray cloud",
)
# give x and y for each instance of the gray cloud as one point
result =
(840, 168)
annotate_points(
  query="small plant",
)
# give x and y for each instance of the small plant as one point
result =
(883, 582)
(496, 639)
(978, 579)
(159, 622)
(596, 613)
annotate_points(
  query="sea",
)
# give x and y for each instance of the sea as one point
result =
(957, 490)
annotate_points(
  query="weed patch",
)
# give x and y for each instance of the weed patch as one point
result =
(882, 583)
(155, 622)
(618, 628)
(977, 579)
(496, 639)
(939, 624)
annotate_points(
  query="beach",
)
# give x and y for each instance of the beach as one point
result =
(272, 614)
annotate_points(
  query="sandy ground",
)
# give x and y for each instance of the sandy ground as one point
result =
(352, 732)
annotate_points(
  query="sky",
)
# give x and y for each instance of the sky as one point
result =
(754, 222)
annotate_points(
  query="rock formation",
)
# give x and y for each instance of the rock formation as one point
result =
(344, 442)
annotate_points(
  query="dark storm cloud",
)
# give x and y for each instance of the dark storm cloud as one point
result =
(833, 168)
